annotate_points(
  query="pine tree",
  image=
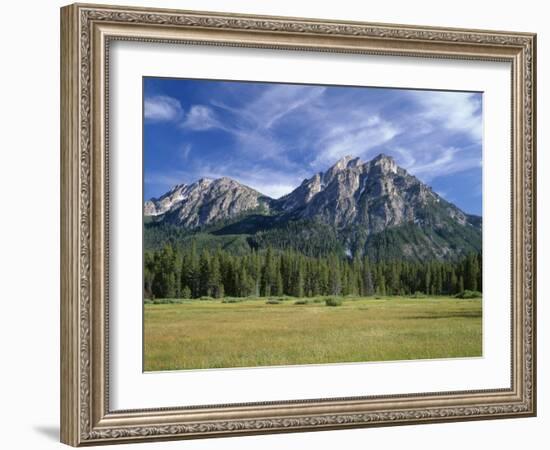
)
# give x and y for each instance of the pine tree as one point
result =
(279, 286)
(190, 271)
(394, 278)
(186, 292)
(148, 276)
(299, 282)
(460, 284)
(368, 288)
(215, 286)
(269, 274)
(335, 280)
(204, 274)
(382, 285)
(323, 278)
(453, 288)
(472, 271)
(428, 280)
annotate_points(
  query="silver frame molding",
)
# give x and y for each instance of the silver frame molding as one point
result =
(86, 32)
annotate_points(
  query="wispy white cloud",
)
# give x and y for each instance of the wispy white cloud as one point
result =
(443, 162)
(404, 157)
(350, 137)
(457, 111)
(281, 100)
(185, 151)
(202, 118)
(252, 124)
(335, 128)
(161, 108)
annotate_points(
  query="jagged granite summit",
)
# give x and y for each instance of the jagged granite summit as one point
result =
(369, 205)
(374, 195)
(205, 202)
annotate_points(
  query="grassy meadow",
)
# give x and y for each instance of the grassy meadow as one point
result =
(250, 332)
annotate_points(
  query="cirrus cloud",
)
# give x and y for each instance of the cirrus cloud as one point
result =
(455, 111)
(161, 108)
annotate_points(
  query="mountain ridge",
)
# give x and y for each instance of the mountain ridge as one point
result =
(205, 202)
(359, 200)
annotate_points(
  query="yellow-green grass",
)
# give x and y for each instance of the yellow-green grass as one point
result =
(200, 334)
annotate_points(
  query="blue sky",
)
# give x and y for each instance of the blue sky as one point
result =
(270, 136)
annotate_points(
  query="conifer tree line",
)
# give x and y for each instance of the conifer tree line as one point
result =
(190, 274)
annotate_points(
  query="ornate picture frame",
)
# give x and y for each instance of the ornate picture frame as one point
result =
(87, 32)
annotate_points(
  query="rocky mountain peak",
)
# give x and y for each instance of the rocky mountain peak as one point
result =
(382, 157)
(383, 164)
(372, 196)
(158, 206)
(205, 181)
(346, 162)
(205, 202)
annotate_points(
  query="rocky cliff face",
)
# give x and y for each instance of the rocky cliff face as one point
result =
(205, 202)
(374, 195)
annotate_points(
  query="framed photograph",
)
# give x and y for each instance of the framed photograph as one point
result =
(275, 224)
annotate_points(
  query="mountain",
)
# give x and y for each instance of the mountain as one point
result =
(375, 208)
(206, 202)
(373, 195)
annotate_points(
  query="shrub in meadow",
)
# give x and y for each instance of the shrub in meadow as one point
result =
(468, 294)
(273, 301)
(333, 301)
(302, 301)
